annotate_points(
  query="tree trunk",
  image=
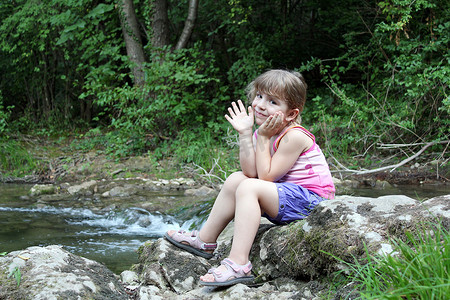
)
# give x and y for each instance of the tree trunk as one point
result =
(160, 24)
(188, 25)
(133, 41)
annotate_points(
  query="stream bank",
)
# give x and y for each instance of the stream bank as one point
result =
(83, 166)
(297, 261)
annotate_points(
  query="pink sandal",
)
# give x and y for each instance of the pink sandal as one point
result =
(192, 243)
(234, 274)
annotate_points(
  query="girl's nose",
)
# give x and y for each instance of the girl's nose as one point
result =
(260, 104)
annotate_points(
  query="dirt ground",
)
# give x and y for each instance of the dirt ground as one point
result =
(57, 164)
(81, 167)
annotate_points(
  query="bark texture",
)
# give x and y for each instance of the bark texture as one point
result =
(133, 41)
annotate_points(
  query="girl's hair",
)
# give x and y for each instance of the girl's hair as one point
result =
(285, 85)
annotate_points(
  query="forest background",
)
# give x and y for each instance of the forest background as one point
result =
(155, 77)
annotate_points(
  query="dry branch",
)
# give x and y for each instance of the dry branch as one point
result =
(405, 161)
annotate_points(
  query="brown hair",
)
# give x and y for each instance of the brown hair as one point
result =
(285, 85)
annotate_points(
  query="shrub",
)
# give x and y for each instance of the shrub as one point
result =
(182, 91)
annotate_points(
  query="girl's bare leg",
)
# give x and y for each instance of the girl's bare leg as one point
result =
(253, 197)
(223, 209)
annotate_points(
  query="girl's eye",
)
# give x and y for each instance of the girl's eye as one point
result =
(259, 96)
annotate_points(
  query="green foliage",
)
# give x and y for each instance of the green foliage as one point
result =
(205, 148)
(181, 92)
(403, 67)
(420, 268)
(93, 139)
(47, 49)
(5, 114)
(16, 274)
(15, 159)
(249, 65)
(377, 71)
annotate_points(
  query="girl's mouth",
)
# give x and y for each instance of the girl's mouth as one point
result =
(260, 115)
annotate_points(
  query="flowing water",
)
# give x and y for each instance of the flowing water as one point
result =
(110, 237)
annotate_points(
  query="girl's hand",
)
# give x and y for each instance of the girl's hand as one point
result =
(272, 125)
(239, 119)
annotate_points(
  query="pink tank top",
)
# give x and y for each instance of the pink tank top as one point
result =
(310, 170)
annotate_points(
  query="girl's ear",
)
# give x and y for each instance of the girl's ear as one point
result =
(293, 114)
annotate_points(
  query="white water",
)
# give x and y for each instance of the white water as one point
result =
(111, 237)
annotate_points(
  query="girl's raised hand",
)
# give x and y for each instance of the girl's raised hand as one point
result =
(239, 119)
(272, 125)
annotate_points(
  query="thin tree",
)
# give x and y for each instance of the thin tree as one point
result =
(188, 25)
(160, 32)
(133, 40)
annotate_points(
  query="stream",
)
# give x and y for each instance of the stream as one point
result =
(112, 237)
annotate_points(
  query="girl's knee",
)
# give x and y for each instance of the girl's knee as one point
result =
(232, 182)
(253, 187)
(247, 186)
(237, 176)
(235, 179)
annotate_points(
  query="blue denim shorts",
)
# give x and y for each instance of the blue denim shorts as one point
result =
(295, 203)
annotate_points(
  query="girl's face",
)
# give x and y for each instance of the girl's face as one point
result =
(264, 106)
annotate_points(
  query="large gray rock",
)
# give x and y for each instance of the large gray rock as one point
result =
(162, 266)
(287, 260)
(290, 258)
(343, 228)
(85, 188)
(53, 273)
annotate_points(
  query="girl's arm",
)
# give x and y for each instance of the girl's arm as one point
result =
(243, 123)
(247, 155)
(293, 143)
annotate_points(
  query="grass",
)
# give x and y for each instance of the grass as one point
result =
(15, 160)
(418, 269)
(14, 272)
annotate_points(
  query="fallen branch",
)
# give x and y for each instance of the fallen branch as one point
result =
(394, 146)
(393, 167)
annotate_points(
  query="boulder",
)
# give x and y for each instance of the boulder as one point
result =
(43, 189)
(162, 266)
(289, 260)
(122, 191)
(85, 188)
(343, 228)
(202, 191)
(166, 272)
(53, 273)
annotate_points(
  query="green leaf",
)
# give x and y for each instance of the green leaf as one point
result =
(17, 275)
(100, 10)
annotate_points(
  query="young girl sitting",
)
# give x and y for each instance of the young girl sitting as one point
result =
(284, 175)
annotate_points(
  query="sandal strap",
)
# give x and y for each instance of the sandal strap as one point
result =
(245, 269)
(203, 245)
(233, 271)
(197, 242)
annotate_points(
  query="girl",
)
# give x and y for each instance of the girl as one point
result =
(284, 175)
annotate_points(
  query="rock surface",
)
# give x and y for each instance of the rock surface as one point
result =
(290, 262)
(123, 193)
(53, 273)
(43, 189)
